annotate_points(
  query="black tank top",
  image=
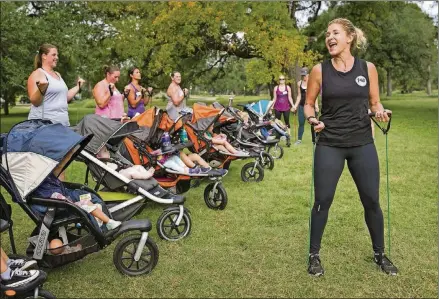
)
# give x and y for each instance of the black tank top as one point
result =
(345, 100)
(302, 95)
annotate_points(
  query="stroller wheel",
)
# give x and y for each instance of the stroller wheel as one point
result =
(276, 151)
(123, 257)
(42, 294)
(252, 173)
(169, 230)
(266, 161)
(215, 199)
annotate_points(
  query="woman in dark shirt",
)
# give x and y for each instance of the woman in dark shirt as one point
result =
(349, 87)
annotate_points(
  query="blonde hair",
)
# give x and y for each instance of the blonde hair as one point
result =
(359, 40)
(44, 49)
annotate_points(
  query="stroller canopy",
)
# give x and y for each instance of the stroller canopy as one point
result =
(259, 108)
(203, 116)
(104, 131)
(33, 149)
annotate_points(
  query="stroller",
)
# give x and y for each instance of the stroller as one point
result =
(259, 112)
(242, 133)
(175, 222)
(204, 117)
(30, 152)
(144, 148)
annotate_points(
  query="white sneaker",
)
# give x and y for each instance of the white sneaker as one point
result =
(21, 264)
(112, 224)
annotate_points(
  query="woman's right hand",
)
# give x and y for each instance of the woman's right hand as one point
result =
(319, 125)
(126, 91)
(42, 85)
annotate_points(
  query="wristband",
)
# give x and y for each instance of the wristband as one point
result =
(309, 117)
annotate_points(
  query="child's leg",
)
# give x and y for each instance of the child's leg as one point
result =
(230, 148)
(4, 256)
(187, 160)
(100, 215)
(3, 265)
(200, 161)
(221, 148)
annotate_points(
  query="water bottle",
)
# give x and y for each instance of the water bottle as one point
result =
(166, 140)
(183, 136)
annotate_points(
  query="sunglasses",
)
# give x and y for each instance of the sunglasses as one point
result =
(281, 78)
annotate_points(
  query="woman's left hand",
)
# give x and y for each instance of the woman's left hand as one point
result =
(383, 115)
(124, 118)
(80, 82)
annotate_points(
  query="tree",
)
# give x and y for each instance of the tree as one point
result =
(25, 26)
(200, 37)
(400, 37)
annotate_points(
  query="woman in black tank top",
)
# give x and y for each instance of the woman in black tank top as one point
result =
(349, 87)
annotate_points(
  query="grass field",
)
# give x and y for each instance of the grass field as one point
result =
(257, 246)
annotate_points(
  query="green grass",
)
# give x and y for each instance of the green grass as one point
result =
(257, 246)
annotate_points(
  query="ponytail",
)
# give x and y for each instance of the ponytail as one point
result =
(44, 49)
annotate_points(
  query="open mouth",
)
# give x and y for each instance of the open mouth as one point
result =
(332, 45)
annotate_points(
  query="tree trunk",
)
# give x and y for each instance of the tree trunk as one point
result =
(381, 88)
(429, 80)
(6, 108)
(270, 90)
(389, 83)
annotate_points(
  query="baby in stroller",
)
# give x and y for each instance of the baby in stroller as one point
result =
(52, 187)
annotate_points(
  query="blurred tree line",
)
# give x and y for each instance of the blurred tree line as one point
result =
(219, 47)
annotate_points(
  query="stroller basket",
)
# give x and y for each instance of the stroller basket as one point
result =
(78, 247)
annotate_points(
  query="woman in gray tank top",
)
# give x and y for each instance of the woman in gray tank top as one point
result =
(176, 96)
(47, 91)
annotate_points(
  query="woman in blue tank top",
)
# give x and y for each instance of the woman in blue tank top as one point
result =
(349, 87)
(50, 97)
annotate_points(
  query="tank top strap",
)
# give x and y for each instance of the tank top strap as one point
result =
(135, 89)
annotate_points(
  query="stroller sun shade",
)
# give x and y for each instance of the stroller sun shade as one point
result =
(203, 116)
(259, 108)
(104, 131)
(34, 148)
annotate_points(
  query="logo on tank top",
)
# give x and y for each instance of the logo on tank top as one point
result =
(361, 81)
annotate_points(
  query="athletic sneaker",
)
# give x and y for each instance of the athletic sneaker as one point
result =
(195, 170)
(20, 277)
(21, 264)
(315, 267)
(113, 224)
(298, 142)
(385, 264)
(205, 169)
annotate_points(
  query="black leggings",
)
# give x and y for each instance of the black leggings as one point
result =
(364, 168)
(286, 114)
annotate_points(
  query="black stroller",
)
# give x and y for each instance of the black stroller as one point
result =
(31, 151)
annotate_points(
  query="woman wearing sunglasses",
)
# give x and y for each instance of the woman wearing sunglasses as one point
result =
(283, 102)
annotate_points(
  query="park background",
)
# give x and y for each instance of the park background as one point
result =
(257, 246)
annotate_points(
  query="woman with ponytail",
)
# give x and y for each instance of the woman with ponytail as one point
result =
(349, 87)
(48, 93)
(138, 97)
(109, 101)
